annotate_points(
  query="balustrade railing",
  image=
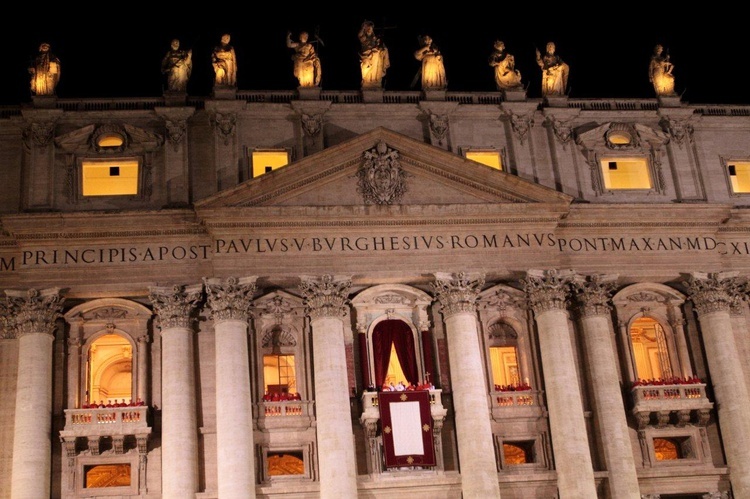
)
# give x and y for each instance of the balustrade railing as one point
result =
(107, 421)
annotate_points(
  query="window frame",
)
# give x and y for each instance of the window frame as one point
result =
(606, 159)
(251, 163)
(84, 161)
(466, 151)
(726, 164)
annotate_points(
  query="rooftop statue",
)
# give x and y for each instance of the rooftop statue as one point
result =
(507, 77)
(554, 72)
(177, 65)
(45, 72)
(660, 72)
(373, 56)
(433, 70)
(307, 68)
(224, 62)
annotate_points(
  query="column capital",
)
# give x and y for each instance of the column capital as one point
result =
(594, 293)
(175, 305)
(31, 311)
(458, 292)
(230, 299)
(547, 289)
(325, 296)
(714, 291)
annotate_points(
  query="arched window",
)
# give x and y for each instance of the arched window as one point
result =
(503, 341)
(109, 369)
(394, 353)
(650, 349)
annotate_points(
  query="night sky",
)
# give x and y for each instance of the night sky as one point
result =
(608, 53)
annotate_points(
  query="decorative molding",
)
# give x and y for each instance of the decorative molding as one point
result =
(562, 130)
(277, 307)
(594, 293)
(646, 296)
(715, 291)
(501, 330)
(459, 292)
(39, 133)
(312, 124)
(502, 301)
(230, 299)
(225, 125)
(175, 306)
(176, 130)
(678, 130)
(278, 336)
(326, 296)
(439, 126)
(382, 180)
(547, 289)
(521, 124)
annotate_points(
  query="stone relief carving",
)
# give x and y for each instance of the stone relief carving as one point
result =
(32, 311)
(391, 298)
(277, 307)
(502, 300)
(230, 299)
(562, 130)
(382, 180)
(39, 133)
(521, 124)
(502, 331)
(678, 130)
(439, 126)
(547, 289)
(645, 296)
(225, 124)
(312, 124)
(106, 313)
(458, 292)
(715, 291)
(594, 293)
(326, 296)
(176, 131)
(278, 336)
(175, 305)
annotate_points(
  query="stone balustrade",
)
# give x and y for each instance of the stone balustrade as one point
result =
(286, 414)
(680, 404)
(106, 421)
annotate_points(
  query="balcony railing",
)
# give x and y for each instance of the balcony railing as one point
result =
(287, 414)
(514, 404)
(671, 404)
(106, 421)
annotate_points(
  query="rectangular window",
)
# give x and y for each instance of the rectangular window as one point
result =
(106, 475)
(266, 160)
(110, 178)
(486, 157)
(280, 463)
(518, 452)
(739, 176)
(504, 362)
(626, 173)
(279, 374)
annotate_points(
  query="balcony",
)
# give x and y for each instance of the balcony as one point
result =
(678, 404)
(115, 423)
(284, 415)
(508, 404)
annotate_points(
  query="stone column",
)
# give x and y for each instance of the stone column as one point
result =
(326, 304)
(230, 303)
(179, 440)
(713, 295)
(33, 314)
(74, 372)
(478, 464)
(142, 387)
(593, 298)
(547, 292)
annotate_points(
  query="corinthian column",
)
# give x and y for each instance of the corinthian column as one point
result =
(326, 303)
(457, 294)
(230, 303)
(547, 292)
(593, 299)
(713, 295)
(32, 314)
(179, 440)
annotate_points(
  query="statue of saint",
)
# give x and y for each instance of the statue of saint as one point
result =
(307, 68)
(660, 72)
(554, 72)
(177, 64)
(45, 72)
(373, 56)
(433, 70)
(224, 62)
(507, 77)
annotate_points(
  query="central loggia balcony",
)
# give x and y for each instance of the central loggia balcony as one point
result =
(284, 414)
(679, 404)
(95, 424)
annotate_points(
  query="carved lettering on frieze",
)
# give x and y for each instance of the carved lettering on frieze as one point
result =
(382, 180)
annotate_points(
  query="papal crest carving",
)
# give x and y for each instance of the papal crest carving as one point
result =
(381, 178)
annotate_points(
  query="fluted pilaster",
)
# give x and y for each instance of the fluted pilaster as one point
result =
(547, 292)
(326, 300)
(593, 295)
(458, 293)
(174, 307)
(714, 294)
(33, 315)
(230, 302)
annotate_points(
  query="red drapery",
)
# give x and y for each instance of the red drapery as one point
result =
(397, 333)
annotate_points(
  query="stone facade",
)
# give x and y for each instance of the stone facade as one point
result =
(204, 271)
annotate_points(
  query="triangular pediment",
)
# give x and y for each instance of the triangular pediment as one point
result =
(387, 168)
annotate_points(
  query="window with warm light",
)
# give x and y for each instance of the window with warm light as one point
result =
(264, 161)
(621, 173)
(285, 463)
(669, 449)
(395, 373)
(739, 176)
(487, 157)
(504, 361)
(110, 177)
(110, 370)
(650, 349)
(279, 374)
(518, 452)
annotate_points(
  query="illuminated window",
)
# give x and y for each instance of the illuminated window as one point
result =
(626, 173)
(739, 176)
(285, 463)
(110, 370)
(110, 178)
(518, 452)
(110, 140)
(106, 475)
(489, 158)
(279, 374)
(264, 161)
(395, 374)
(650, 349)
(619, 138)
(504, 362)
(668, 449)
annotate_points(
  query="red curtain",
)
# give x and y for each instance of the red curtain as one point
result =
(399, 334)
